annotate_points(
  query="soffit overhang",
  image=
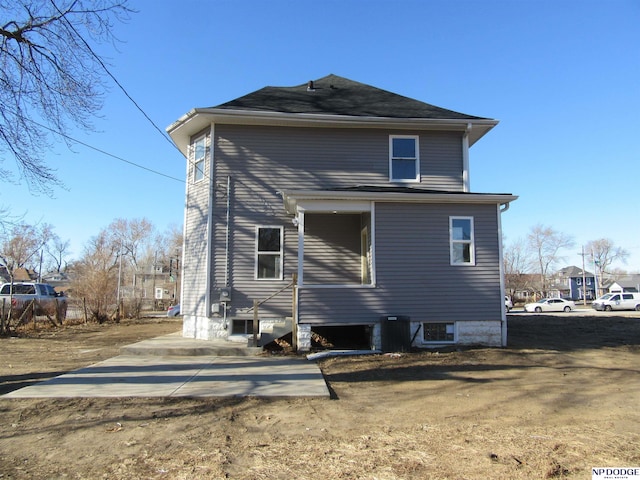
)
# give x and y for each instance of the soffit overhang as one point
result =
(316, 200)
(198, 119)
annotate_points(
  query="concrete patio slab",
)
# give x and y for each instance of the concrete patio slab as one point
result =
(153, 375)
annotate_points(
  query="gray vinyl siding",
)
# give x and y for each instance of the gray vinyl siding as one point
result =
(263, 160)
(194, 280)
(289, 157)
(332, 249)
(414, 275)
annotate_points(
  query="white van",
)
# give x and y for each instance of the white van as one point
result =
(617, 301)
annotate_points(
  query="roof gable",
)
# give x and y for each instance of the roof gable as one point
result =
(335, 95)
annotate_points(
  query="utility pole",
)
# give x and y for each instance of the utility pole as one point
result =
(119, 274)
(584, 279)
(595, 273)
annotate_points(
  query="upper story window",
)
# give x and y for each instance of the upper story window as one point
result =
(269, 253)
(461, 241)
(200, 152)
(404, 161)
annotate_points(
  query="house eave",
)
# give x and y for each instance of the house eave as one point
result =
(291, 198)
(198, 119)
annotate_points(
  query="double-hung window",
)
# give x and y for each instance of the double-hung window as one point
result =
(404, 161)
(200, 151)
(461, 241)
(269, 253)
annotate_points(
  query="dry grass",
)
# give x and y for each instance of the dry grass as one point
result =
(550, 407)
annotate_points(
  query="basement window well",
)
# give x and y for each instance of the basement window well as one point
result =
(439, 332)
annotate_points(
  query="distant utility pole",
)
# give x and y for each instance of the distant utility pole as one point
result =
(595, 273)
(584, 279)
(119, 274)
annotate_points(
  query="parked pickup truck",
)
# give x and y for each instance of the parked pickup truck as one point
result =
(44, 298)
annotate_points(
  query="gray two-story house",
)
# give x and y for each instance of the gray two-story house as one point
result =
(337, 205)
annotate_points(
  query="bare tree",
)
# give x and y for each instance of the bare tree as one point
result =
(58, 251)
(604, 253)
(545, 244)
(517, 266)
(133, 237)
(96, 276)
(22, 245)
(50, 75)
(168, 244)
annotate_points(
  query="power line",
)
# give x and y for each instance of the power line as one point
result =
(105, 152)
(104, 67)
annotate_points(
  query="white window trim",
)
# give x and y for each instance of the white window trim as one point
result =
(281, 253)
(204, 159)
(471, 242)
(441, 342)
(417, 159)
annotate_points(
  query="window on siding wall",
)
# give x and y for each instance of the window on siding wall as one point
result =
(200, 152)
(461, 239)
(404, 162)
(269, 253)
(438, 332)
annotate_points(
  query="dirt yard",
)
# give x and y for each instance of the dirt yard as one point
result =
(562, 398)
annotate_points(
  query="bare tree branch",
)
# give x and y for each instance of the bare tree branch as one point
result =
(546, 244)
(50, 75)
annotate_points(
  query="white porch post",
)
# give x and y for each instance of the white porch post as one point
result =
(303, 332)
(300, 218)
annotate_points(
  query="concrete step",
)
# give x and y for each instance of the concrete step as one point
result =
(176, 345)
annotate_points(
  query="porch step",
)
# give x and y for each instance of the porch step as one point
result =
(176, 345)
(273, 330)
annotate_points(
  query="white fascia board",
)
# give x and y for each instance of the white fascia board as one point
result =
(295, 198)
(186, 127)
(198, 119)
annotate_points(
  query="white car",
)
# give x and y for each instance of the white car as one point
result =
(550, 305)
(508, 304)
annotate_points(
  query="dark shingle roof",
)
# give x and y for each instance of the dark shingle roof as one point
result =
(403, 189)
(573, 271)
(334, 95)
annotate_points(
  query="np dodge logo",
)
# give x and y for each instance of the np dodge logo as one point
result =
(615, 473)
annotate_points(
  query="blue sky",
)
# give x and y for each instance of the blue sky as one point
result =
(562, 77)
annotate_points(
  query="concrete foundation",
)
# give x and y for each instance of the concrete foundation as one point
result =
(204, 328)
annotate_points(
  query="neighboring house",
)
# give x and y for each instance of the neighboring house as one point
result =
(339, 204)
(521, 286)
(24, 275)
(157, 283)
(624, 283)
(572, 283)
(60, 281)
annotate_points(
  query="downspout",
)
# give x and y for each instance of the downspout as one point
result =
(226, 250)
(465, 159)
(503, 310)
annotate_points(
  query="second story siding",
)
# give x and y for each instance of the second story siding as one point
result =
(286, 157)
